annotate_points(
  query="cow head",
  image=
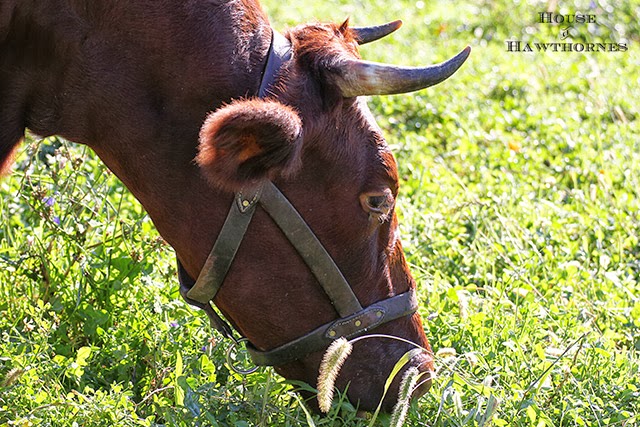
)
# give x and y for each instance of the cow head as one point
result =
(320, 144)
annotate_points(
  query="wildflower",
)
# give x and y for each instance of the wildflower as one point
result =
(472, 358)
(28, 324)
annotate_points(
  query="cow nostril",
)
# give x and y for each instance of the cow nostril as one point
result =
(424, 363)
(424, 385)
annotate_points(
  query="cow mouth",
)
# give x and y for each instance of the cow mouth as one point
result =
(371, 396)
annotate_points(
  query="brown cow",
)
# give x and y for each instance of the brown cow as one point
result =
(134, 80)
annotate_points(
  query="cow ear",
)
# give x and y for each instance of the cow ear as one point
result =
(248, 141)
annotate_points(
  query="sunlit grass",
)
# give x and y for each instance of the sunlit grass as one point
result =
(519, 212)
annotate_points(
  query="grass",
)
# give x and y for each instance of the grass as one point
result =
(520, 218)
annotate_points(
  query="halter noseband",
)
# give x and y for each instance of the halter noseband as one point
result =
(354, 319)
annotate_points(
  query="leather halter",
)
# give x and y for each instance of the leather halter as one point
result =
(354, 320)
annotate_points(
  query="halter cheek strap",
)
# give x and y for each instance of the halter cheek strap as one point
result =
(226, 246)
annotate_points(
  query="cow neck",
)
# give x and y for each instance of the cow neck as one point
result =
(353, 321)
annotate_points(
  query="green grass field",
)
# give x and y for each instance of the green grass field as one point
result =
(520, 217)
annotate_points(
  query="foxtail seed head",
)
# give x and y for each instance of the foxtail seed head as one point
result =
(332, 361)
(408, 384)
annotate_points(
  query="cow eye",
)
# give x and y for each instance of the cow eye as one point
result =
(376, 202)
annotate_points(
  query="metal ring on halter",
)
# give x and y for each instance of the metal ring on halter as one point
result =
(231, 362)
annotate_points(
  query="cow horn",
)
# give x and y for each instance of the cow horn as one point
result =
(371, 34)
(357, 77)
